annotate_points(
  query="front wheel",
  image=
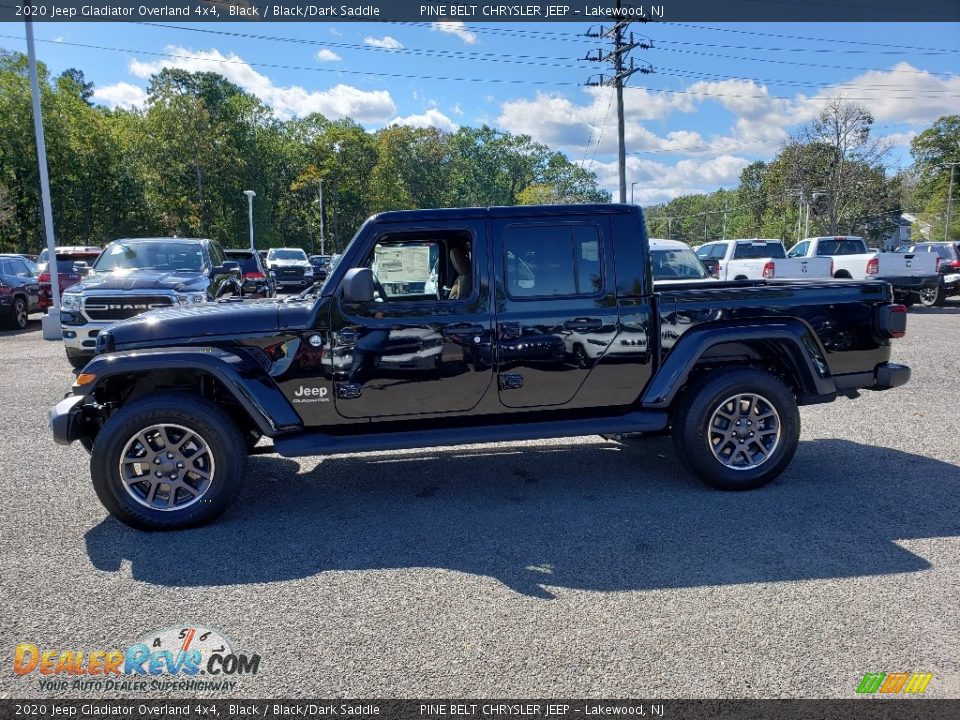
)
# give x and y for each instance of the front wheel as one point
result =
(77, 359)
(737, 429)
(932, 297)
(168, 461)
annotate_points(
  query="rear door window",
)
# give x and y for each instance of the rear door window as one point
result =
(552, 260)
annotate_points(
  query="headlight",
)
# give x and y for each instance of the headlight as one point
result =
(308, 271)
(70, 301)
(191, 298)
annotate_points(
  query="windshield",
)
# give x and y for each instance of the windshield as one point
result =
(676, 263)
(753, 250)
(159, 255)
(286, 254)
(842, 246)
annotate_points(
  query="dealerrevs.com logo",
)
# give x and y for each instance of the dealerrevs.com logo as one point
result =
(189, 657)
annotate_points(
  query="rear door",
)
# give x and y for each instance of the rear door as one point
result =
(556, 307)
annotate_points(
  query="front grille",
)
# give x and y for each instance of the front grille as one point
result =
(122, 307)
(289, 272)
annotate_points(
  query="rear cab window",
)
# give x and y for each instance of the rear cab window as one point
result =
(758, 249)
(842, 246)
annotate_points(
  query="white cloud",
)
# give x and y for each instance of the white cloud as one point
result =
(373, 106)
(659, 182)
(901, 94)
(327, 55)
(457, 110)
(120, 94)
(386, 42)
(455, 28)
(431, 118)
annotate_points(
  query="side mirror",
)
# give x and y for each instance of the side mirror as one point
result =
(229, 267)
(358, 285)
(81, 268)
(713, 267)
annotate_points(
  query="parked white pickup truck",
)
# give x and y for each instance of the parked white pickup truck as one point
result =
(909, 273)
(759, 259)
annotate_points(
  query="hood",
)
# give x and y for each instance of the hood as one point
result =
(144, 280)
(194, 322)
(289, 263)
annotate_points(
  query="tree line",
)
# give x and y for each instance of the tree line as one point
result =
(827, 179)
(179, 166)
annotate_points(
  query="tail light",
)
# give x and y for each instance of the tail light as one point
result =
(44, 277)
(254, 276)
(831, 267)
(769, 269)
(939, 263)
(893, 320)
(873, 266)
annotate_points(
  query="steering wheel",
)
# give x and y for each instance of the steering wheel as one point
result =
(378, 288)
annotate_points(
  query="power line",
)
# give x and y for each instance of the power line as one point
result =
(413, 76)
(783, 36)
(499, 57)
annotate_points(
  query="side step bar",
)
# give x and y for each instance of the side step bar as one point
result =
(317, 443)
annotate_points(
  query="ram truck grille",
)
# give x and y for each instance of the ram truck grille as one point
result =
(121, 308)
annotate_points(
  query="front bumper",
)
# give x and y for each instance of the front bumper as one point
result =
(83, 338)
(65, 419)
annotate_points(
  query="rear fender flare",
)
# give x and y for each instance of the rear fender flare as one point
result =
(792, 340)
(249, 384)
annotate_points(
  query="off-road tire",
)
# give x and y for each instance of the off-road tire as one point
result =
(217, 429)
(696, 408)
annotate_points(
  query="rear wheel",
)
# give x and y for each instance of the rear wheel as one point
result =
(18, 317)
(168, 461)
(737, 429)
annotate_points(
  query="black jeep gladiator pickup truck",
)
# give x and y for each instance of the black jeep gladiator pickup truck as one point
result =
(441, 327)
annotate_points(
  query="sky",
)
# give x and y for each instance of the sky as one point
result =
(719, 95)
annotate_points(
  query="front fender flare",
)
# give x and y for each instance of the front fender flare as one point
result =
(796, 342)
(249, 384)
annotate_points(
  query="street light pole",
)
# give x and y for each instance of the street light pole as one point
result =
(323, 241)
(250, 196)
(946, 230)
(51, 322)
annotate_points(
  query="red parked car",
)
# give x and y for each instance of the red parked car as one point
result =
(72, 264)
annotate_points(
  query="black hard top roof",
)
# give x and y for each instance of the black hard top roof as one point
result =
(476, 213)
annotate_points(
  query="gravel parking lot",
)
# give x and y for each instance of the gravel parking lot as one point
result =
(565, 568)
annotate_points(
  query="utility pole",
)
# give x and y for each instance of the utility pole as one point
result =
(621, 72)
(946, 230)
(724, 236)
(323, 242)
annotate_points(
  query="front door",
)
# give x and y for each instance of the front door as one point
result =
(422, 346)
(556, 311)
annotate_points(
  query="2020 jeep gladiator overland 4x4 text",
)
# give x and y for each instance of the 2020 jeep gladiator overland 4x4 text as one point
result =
(175, 399)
